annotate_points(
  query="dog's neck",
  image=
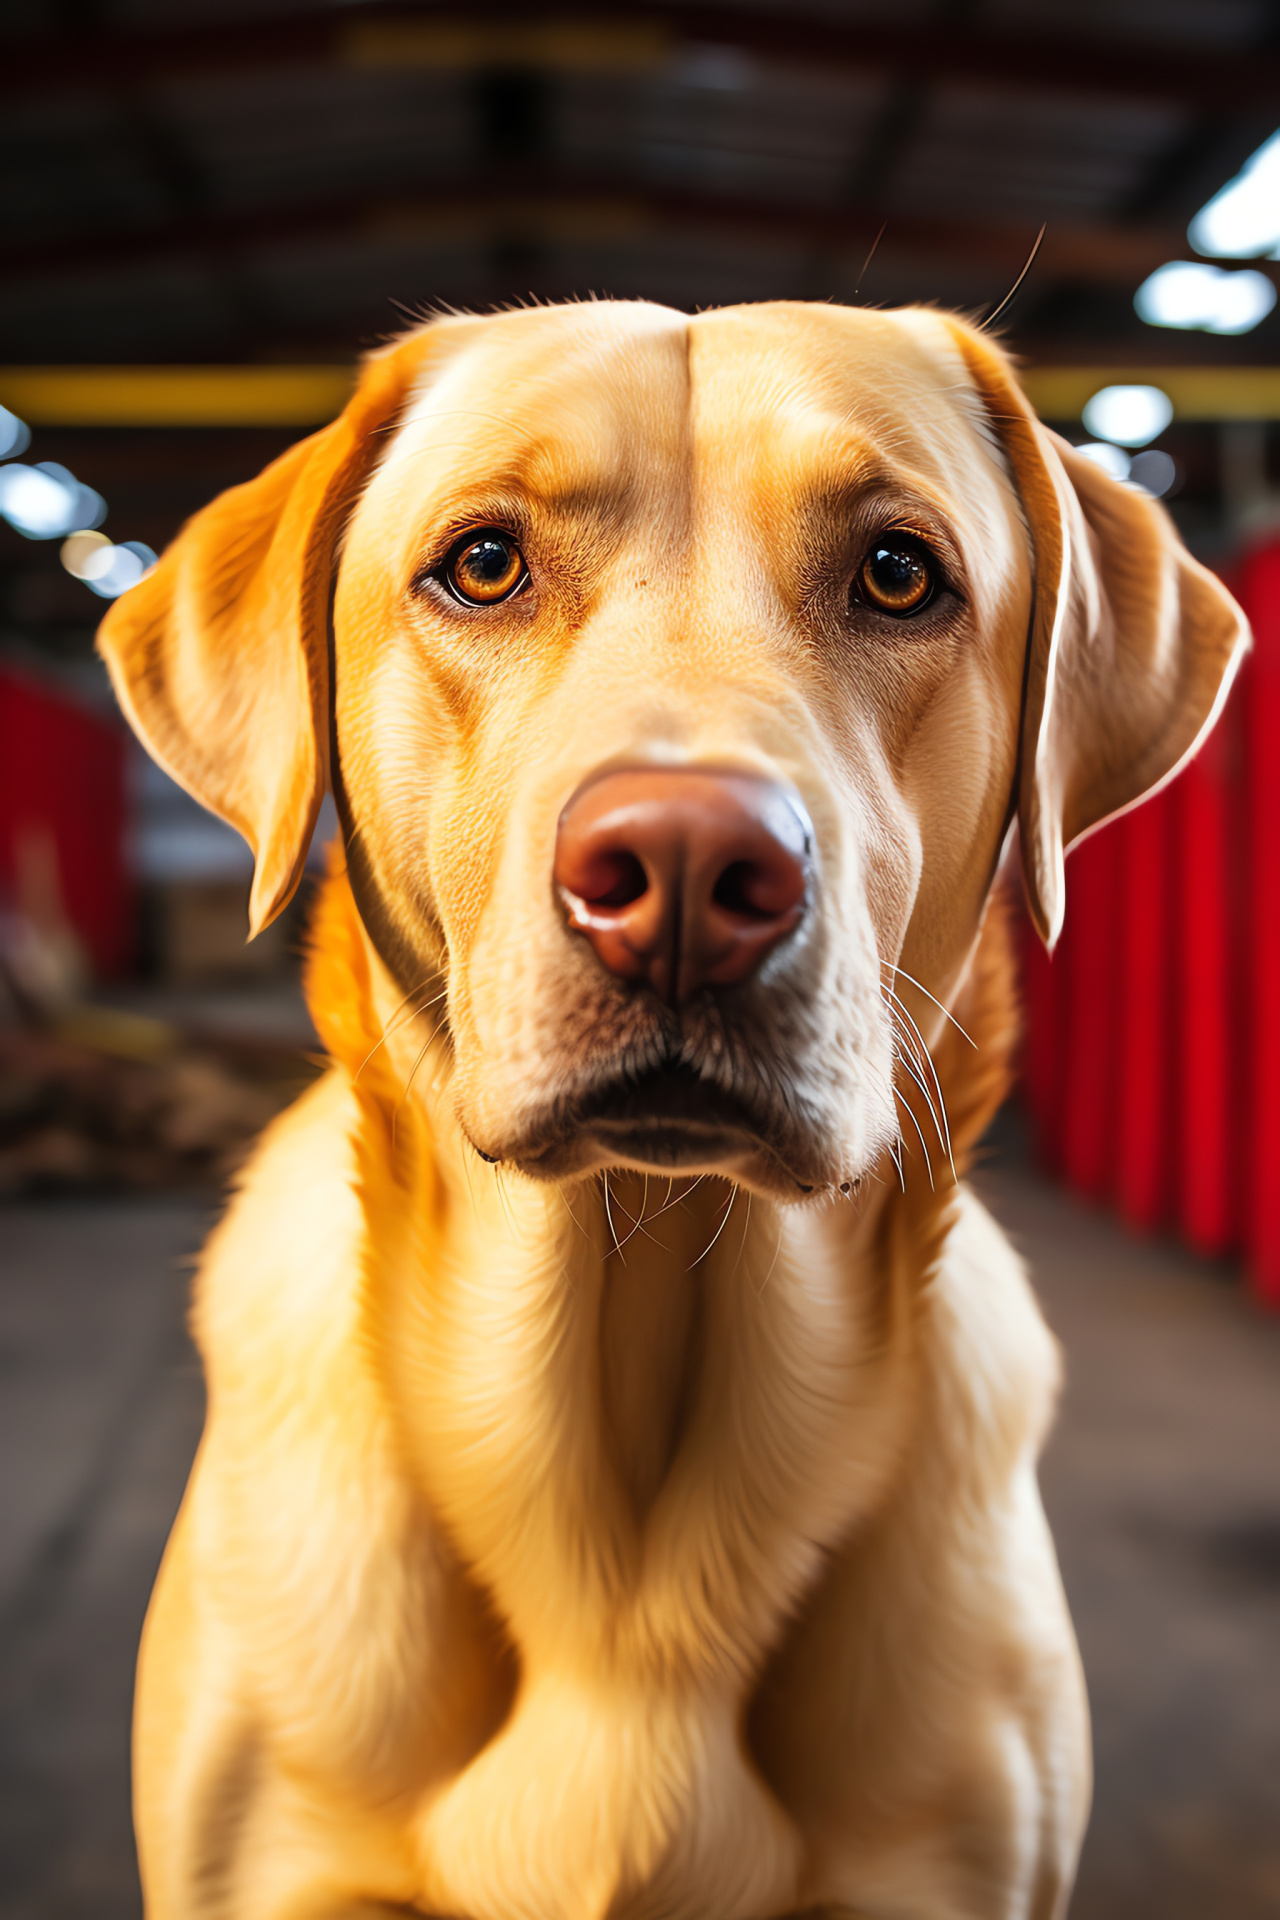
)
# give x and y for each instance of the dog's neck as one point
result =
(682, 1397)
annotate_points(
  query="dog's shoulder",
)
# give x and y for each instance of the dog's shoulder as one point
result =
(993, 1359)
(283, 1268)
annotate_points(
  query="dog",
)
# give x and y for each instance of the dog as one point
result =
(618, 1494)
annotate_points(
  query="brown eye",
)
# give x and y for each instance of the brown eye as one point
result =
(896, 578)
(484, 568)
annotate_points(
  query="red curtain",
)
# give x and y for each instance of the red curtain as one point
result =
(1152, 1053)
(63, 786)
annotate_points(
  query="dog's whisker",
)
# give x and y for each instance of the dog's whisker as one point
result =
(909, 1037)
(390, 1030)
(914, 1061)
(944, 1140)
(905, 1053)
(923, 1059)
(906, 1104)
(777, 1249)
(904, 1011)
(862, 271)
(568, 1207)
(994, 316)
(608, 1213)
(728, 1209)
(639, 1221)
(422, 1053)
(504, 1200)
(467, 1159)
(408, 1088)
(746, 1231)
(675, 1199)
(669, 1202)
(640, 1228)
(945, 1011)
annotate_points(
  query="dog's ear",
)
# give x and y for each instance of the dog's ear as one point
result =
(1132, 648)
(220, 656)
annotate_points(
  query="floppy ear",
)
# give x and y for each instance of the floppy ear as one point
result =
(1133, 644)
(219, 657)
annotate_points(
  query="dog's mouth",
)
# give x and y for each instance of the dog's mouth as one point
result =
(667, 1119)
(670, 1116)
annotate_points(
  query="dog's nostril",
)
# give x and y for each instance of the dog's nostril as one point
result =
(614, 879)
(762, 889)
(742, 888)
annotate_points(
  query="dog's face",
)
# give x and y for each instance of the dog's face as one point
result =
(679, 672)
(687, 510)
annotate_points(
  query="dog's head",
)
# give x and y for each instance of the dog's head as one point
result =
(678, 680)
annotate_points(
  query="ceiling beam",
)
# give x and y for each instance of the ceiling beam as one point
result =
(541, 204)
(217, 396)
(636, 33)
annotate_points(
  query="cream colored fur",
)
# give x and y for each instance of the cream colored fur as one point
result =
(610, 1545)
(380, 1355)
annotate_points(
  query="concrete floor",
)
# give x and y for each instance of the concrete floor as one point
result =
(1162, 1481)
(99, 1417)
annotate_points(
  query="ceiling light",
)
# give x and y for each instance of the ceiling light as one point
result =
(45, 501)
(79, 552)
(1154, 471)
(1192, 294)
(1129, 415)
(1244, 217)
(111, 571)
(15, 434)
(1112, 460)
(35, 503)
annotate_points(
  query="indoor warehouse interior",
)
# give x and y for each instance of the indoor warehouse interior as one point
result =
(209, 211)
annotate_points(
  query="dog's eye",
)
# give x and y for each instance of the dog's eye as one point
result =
(896, 577)
(485, 568)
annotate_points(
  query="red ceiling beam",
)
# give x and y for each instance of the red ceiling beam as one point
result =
(1201, 78)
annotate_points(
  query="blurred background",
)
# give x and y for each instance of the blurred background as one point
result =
(207, 212)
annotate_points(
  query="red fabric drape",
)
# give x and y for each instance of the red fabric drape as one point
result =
(63, 781)
(1152, 1049)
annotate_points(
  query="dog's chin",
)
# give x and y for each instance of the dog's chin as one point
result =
(666, 1122)
(655, 1146)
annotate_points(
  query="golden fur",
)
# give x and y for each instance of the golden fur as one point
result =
(567, 1542)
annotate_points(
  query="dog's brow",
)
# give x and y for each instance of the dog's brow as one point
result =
(870, 494)
(584, 500)
(514, 494)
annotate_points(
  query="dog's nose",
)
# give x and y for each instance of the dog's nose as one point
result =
(683, 877)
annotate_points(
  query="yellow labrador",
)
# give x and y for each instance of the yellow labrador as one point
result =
(618, 1495)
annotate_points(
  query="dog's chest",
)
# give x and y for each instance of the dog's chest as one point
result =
(651, 1325)
(640, 1460)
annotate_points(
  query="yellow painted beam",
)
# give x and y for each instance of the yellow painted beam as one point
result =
(175, 396)
(577, 46)
(308, 396)
(1197, 393)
